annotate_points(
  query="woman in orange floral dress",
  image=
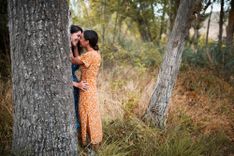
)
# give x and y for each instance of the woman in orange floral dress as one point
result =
(90, 119)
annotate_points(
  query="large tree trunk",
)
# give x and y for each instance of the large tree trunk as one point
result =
(43, 106)
(158, 106)
(230, 27)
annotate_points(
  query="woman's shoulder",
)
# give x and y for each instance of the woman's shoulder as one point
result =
(92, 54)
(97, 55)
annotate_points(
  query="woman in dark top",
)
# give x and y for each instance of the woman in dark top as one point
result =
(75, 32)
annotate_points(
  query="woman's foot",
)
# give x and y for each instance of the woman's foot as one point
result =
(91, 152)
(95, 147)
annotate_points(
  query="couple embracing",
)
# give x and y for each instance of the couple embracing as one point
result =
(85, 59)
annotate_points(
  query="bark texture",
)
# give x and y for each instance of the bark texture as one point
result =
(43, 106)
(158, 106)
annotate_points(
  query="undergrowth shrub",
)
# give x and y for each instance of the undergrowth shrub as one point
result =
(222, 59)
(140, 55)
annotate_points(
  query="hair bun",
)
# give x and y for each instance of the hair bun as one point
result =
(96, 47)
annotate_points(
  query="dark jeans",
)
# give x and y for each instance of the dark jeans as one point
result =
(76, 93)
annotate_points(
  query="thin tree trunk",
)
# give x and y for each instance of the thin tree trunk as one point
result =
(230, 27)
(196, 34)
(173, 5)
(221, 16)
(43, 106)
(207, 35)
(206, 6)
(143, 25)
(144, 29)
(162, 25)
(104, 23)
(116, 20)
(158, 106)
(169, 20)
(120, 28)
(86, 11)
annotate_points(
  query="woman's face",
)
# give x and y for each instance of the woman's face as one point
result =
(75, 37)
(84, 43)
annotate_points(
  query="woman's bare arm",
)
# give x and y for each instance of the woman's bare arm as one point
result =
(76, 52)
(75, 60)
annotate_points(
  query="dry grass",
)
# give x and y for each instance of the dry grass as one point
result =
(206, 99)
(200, 120)
(201, 103)
(121, 88)
(6, 120)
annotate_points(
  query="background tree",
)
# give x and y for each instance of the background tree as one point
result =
(207, 36)
(163, 26)
(221, 21)
(5, 60)
(43, 107)
(198, 22)
(230, 26)
(173, 7)
(158, 106)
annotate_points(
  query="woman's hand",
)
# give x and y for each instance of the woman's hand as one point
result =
(75, 60)
(83, 85)
(72, 58)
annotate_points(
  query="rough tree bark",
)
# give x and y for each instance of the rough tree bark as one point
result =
(157, 110)
(43, 106)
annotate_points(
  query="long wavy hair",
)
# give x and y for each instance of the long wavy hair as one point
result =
(75, 29)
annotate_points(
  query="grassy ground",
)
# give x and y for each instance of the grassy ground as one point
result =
(6, 121)
(200, 119)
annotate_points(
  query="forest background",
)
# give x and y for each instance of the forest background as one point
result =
(133, 36)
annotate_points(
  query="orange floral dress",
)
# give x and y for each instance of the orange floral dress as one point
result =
(90, 118)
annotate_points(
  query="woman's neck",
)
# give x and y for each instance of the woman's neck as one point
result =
(89, 49)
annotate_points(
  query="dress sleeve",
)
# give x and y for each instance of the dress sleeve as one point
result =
(86, 59)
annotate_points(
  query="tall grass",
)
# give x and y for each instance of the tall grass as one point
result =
(132, 137)
(6, 119)
(200, 119)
